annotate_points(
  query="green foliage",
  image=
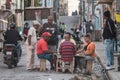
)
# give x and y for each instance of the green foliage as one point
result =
(36, 4)
(27, 3)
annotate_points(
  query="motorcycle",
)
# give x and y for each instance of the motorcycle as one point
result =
(11, 57)
(76, 37)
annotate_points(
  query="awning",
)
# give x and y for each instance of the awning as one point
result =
(2, 20)
(105, 1)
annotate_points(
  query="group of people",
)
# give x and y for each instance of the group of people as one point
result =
(48, 45)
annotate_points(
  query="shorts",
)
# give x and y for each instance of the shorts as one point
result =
(45, 56)
(89, 58)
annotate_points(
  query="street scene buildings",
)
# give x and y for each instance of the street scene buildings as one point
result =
(31, 18)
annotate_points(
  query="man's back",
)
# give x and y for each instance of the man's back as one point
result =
(89, 27)
(67, 50)
(11, 36)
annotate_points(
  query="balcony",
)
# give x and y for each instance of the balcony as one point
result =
(18, 10)
(105, 1)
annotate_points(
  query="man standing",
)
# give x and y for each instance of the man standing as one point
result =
(52, 29)
(90, 29)
(62, 29)
(25, 31)
(109, 35)
(31, 42)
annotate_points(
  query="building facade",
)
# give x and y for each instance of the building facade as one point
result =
(12, 11)
(46, 3)
(63, 7)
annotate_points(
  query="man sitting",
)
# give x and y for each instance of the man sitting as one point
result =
(42, 48)
(12, 36)
(67, 51)
(89, 51)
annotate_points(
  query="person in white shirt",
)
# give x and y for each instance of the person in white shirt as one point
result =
(30, 45)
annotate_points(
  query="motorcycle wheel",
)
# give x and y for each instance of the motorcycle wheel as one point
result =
(9, 65)
(15, 62)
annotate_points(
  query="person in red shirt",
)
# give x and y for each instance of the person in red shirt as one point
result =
(25, 31)
(42, 48)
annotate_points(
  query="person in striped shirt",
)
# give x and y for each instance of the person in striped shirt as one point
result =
(67, 50)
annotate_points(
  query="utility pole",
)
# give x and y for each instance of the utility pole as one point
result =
(80, 10)
(93, 8)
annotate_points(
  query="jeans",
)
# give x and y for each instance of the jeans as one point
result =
(19, 50)
(118, 46)
(109, 51)
(115, 45)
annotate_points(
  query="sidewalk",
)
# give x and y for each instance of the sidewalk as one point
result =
(113, 74)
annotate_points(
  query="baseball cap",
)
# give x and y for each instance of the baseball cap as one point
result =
(46, 34)
(36, 22)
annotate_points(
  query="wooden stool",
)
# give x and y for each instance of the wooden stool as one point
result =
(42, 65)
(58, 63)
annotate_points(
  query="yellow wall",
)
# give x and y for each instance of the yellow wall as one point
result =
(117, 17)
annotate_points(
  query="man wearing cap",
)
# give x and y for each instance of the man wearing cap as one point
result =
(42, 48)
(30, 45)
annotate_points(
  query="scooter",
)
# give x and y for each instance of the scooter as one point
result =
(10, 55)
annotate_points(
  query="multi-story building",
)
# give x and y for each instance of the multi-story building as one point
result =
(63, 7)
(117, 5)
(46, 3)
(39, 11)
(12, 11)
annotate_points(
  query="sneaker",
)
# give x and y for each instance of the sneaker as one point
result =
(108, 67)
(29, 70)
(118, 68)
(112, 67)
(77, 70)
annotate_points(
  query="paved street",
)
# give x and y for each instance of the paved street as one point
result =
(20, 73)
